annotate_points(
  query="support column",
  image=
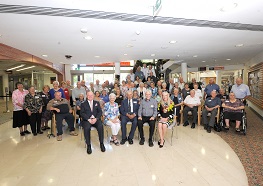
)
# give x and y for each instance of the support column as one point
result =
(184, 71)
(5, 84)
(218, 78)
(117, 70)
(67, 72)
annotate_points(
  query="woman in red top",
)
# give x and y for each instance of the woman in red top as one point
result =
(66, 91)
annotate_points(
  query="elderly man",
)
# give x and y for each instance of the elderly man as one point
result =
(170, 85)
(152, 77)
(150, 69)
(62, 110)
(191, 103)
(147, 113)
(97, 86)
(211, 105)
(129, 112)
(144, 70)
(83, 84)
(91, 114)
(139, 73)
(241, 90)
(132, 75)
(191, 85)
(77, 91)
(181, 83)
(210, 87)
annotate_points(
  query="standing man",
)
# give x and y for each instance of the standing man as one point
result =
(139, 73)
(77, 91)
(144, 71)
(97, 86)
(211, 105)
(181, 83)
(132, 75)
(129, 112)
(91, 114)
(210, 87)
(147, 113)
(150, 69)
(241, 90)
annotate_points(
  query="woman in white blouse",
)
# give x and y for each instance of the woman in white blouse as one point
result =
(141, 90)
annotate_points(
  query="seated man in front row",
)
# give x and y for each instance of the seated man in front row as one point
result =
(191, 103)
(63, 110)
(91, 112)
(147, 113)
(129, 111)
(211, 105)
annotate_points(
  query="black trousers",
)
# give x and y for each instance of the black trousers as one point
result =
(146, 119)
(124, 120)
(69, 119)
(194, 112)
(35, 122)
(87, 126)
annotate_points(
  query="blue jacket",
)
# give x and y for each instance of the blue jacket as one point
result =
(180, 98)
(124, 106)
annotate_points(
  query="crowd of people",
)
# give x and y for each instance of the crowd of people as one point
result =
(136, 100)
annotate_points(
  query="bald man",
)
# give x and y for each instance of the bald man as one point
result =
(210, 87)
(240, 90)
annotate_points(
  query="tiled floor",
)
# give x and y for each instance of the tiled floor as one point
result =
(196, 158)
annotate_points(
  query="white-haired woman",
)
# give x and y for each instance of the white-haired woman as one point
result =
(56, 89)
(111, 110)
(141, 90)
(164, 87)
(165, 114)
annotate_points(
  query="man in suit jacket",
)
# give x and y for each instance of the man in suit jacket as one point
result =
(91, 115)
(129, 111)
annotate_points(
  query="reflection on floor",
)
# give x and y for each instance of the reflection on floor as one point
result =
(196, 158)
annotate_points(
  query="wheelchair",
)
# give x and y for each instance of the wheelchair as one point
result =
(243, 123)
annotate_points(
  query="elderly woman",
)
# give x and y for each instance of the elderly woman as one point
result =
(135, 95)
(111, 112)
(56, 89)
(141, 90)
(33, 106)
(119, 97)
(233, 110)
(20, 117)
(164, 87)
(178, 102)
(65, 89)
(159, 96)
(46, 114)
(186, 90)
(98, 98)
(78, 104)
(123, 88)
(165, 114)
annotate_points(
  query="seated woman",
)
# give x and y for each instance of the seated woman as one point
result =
(178, 102)
(99, 99)
(141, 90)
(136, 96)
(165, 113)
(233, 110)
(159, 95)
(186, 90)
(111, 112)
(119, 97)
(164, 87)
(78, 104)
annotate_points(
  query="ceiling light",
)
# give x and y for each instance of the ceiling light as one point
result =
(97, 56)
(83, 30)
(239, 45)
(125, 54)
(172, 42)
(203, 61)
(195, 56)
(228, 7)
(129, 46)
(88, 37)
(25, 68)
(45, 55)
(15, 67)
(178, 55)
(138, 32)
(152, 54)
(228, 59)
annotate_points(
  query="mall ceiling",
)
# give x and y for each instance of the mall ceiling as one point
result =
(205, 32)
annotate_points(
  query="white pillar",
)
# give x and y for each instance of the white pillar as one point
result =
(184, 71)
(117, 70)
(218, 78)
(67, 72)
(5, 84)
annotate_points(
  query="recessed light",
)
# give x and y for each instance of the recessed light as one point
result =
(172, 42)
(152, 54)
(88, 37)
(125, 54)
(83, 30)
(97, 56)
(203, 61)
(229, 6)
(129, 46)
(228, 59)
(45, 55)
(239, 45)
(178, 55)
(195, 56)
(138, 32)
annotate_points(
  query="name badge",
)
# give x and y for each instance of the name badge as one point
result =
(43, 96)
(36, 97)
(209, 100)
(152, 106)
(226, 101)
(135, 102)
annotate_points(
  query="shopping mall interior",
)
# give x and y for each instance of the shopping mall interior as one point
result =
(42, 42)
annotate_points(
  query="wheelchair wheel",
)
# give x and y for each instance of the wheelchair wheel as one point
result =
(244, 125)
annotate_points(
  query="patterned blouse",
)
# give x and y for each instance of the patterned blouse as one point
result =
(111, 111)
(237, 103)
(18, 97)
(33, 103)
(166, 111)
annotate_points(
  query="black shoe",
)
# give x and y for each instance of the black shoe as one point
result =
(186, 123)
(161, 146)
(89, 150)
(205, 127)
(47, 127)
(43, 128)
(40, 132)
(208, 129)
(123, 141)
(27, 132)
(22, 133)
(193, 125)
(159, 142)
(34, 134)
(102, 147)
(150, 143)
(130, 141)
(141, 142)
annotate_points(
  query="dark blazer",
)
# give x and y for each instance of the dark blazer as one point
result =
(124, 106)
(86, 113)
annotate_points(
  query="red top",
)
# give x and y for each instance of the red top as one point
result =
(66, 92)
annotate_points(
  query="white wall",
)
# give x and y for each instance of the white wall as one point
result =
(47, 79)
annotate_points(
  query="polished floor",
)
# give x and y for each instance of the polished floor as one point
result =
(196, 158)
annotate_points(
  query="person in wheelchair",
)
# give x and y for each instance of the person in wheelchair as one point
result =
(62, 109)
(233, 110)
(78, 104)
(211, 105)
